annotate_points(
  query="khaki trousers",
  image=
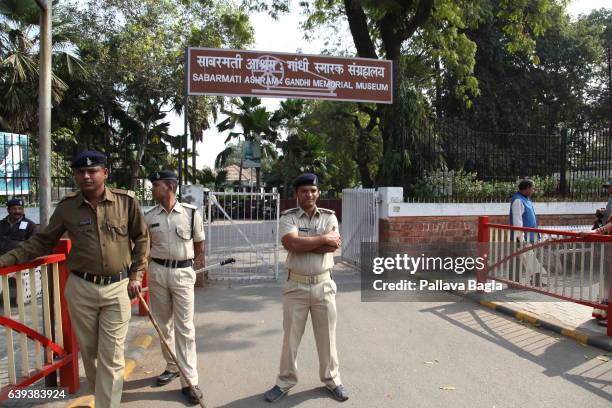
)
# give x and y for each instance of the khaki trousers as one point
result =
(320, 301)
(100, 315)
(172, 305)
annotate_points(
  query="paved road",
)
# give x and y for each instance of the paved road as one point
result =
(391, 355)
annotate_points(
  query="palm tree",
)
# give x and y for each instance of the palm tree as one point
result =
(19, 45)
(257, 128)
(303, 152)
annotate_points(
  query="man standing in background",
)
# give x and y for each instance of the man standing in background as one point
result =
(15, 227)
(522, 214)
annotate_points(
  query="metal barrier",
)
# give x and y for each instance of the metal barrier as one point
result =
(562, 264)
(42, 331)
(243, 225)
(359, 221)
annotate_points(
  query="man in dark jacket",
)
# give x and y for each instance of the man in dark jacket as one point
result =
(15, 227)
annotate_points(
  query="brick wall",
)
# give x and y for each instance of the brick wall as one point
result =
(412, 230)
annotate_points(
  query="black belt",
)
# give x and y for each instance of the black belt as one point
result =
(171, 263)
(99, 279)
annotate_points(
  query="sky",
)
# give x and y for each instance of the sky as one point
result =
(284, 35)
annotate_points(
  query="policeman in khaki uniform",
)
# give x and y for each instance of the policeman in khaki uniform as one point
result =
(310, 236)
(102, 223)
(177, 237)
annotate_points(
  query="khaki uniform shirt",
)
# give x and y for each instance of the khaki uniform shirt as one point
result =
(322, 222)
(171, 232)
(100, 237)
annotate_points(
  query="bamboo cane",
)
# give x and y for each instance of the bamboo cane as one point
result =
(170, 352)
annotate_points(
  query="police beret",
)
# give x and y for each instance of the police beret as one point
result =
(163, 175)
(89, 158)
(14, 201)
(306, 179)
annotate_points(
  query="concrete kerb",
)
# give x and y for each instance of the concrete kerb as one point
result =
(602, 342)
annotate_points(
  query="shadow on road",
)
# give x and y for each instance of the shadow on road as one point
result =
(150, 392)
(290, 400)
(559, 356)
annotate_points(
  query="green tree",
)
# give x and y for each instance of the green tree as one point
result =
(430, 33)
(137, 48)
(302, 152)
(352, 152)
(600, 94)
(255, 126)
(520, 95)
(19, 46)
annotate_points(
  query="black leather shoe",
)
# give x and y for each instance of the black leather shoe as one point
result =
(165, 377)
(275, 393)
(193, 398)
(339, 393)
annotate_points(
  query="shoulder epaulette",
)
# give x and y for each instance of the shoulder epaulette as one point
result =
(128, 193)
(69, 195)
(193, 207)
(289, 211)
(151, 209)
(327, 210)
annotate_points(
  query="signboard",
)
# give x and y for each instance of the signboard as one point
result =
(251, 155)
(213, 71)
(14, 170)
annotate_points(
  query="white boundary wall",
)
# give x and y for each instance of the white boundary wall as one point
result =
(392, 206)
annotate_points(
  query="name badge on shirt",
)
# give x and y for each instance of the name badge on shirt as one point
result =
(303, 229)
(154, 225)
(85, 222)
(23, 225)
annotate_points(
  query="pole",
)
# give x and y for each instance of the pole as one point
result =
(44, 112)
(180, 145)
(609, 90)
(222, 263)
(184, 139)
(483, 246)
(44, 137)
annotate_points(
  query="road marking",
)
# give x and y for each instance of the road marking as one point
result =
(143, 341)
(527, 317)
(84, 401)
(488, 304)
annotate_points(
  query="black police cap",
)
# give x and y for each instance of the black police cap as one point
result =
(163, 175)
(306, 179)
(14, 201)
(89, 158)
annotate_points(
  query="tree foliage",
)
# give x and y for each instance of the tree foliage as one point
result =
(119, 72)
